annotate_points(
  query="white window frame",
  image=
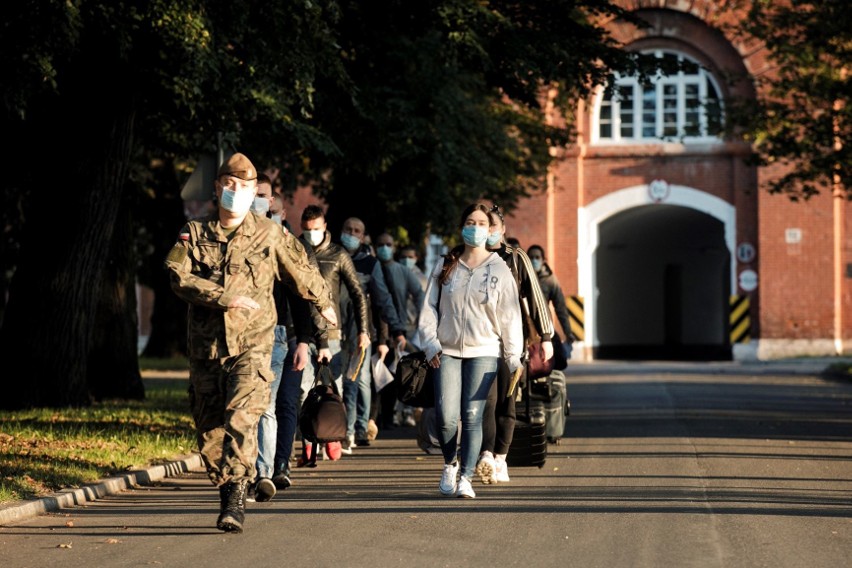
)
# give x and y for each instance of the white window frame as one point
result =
(702, 78)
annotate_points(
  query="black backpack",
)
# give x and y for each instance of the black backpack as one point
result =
(322, 418)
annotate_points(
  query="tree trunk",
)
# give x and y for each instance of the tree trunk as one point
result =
(112, 373)
(53, 299)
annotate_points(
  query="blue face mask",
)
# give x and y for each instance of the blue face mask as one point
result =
(350, 242)
(494, 238)
(536, 263)
(238, 202)
(475, 236)
(407, 262)
(384, 252)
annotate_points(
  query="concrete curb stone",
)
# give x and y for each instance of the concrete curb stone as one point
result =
(18, 511)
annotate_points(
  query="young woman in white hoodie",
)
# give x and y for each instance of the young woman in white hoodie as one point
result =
(471, 318)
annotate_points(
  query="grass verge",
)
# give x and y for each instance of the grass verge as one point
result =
(45, 450)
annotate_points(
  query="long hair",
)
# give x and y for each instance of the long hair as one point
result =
(451, 259)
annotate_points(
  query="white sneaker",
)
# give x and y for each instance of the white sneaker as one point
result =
(486, 468)
(501, 471)
(465, 490)
(448, 478)
(347, 445)
(408, 418)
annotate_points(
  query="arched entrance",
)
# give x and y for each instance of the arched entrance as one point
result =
(657, 274)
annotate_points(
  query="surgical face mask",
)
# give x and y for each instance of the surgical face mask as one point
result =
(238, 202)
(384, 252)
(537, 263)
(276, 219)
(260, 205)
(350, 242)
(315, 236)
(407, 262)
(494, 238)
(475, 236)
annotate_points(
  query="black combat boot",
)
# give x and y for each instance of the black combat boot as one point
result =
(233, 506)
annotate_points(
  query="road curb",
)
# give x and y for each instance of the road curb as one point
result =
(109, 486)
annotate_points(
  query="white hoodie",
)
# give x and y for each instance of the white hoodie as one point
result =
(479, 309)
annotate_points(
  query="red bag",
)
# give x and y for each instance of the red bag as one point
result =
(537, 365)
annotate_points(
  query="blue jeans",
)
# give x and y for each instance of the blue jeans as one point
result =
(461, 387)
(357, 395)
(295, 385)
(267, 427)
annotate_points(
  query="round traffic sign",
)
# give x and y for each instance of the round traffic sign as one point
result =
(748, 280)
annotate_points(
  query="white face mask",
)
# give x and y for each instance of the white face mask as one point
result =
(315, 236)
(260, 205)
(276, 219)
(238, 202)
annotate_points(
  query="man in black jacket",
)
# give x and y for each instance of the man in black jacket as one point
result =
(339, 273)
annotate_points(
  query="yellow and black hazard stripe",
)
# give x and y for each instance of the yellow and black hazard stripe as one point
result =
(740, 319)
(576, 314)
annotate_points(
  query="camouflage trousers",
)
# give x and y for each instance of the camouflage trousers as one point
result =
(227, 397)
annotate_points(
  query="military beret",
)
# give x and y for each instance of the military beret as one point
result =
(238, 166)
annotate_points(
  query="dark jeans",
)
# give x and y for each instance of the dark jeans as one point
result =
(498, 420)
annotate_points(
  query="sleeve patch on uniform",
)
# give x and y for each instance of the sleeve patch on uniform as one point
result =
(177, 254)
(184, 236)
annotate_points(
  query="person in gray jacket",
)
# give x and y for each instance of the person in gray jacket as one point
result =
(553, 295)
(357, 392)
(471, 318)
(404, 287)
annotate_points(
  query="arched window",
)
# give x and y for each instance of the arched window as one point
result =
(682, 106)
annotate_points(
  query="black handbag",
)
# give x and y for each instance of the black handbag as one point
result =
(322, 418)
(415, 380)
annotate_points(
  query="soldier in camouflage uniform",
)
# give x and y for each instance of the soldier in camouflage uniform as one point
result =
(224, 267)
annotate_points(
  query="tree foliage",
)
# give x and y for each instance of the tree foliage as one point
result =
(394, 109)
(803, 119)
(450, 103)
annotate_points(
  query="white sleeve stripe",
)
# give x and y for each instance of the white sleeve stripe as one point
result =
(538, 296)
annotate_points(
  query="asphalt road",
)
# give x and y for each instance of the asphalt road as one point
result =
(677, 466)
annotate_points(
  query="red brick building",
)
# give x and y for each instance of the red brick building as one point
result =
(658, 227)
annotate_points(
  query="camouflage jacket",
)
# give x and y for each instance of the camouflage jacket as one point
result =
(208, 269)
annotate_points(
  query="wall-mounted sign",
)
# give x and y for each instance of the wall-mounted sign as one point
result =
(748, 280)
(792, 236)
(746, 252)
(658, 190)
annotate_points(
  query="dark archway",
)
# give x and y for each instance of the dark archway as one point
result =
(663, 285)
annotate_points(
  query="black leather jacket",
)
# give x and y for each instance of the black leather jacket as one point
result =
(337, 269)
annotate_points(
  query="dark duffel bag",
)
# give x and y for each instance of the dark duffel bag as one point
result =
(322, 418)
(415, 381)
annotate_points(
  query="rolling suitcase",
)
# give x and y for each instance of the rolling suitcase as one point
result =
(555, 407)
(529, 441)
